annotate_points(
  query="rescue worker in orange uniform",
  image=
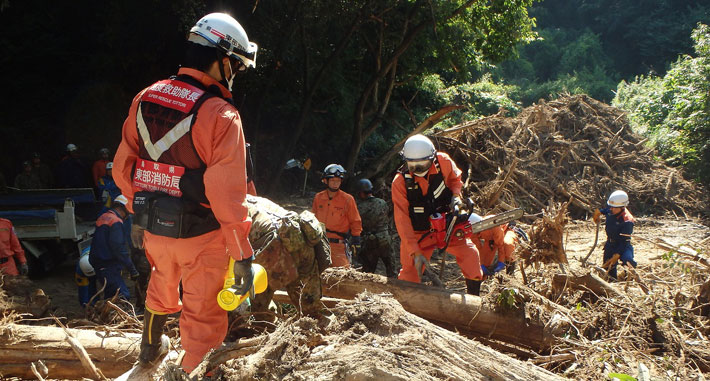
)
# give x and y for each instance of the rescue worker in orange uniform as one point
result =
(496, 246)
(429, 183)
(12, 256)
(338, 211)
(182, 164)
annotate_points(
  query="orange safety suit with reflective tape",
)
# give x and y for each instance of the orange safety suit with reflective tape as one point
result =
(498, 238)
(10, 249)
(200, 262)
(464, 250)
(339, 214)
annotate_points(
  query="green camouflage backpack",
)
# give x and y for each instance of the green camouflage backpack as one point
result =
(314, 233)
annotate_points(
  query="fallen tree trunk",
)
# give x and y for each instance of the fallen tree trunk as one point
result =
(585, 282)
(20, 345)
(441, 306)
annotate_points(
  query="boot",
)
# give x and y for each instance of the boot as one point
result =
(473, 287)
(152, 346)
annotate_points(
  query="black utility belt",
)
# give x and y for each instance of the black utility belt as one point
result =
(4, 260)
(173, 217)
(336, 240)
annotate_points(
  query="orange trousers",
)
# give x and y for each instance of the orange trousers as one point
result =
(201, 263)
(9, 267)
(464, 250)
(505, 249)
(338, 256)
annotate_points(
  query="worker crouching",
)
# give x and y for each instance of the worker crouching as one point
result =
(293, 250)
(619, 227)
(429, 183)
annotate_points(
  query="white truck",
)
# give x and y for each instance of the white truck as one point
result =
(51, 223)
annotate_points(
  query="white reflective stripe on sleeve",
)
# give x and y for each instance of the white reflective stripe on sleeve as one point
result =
(439, 189)
(162, 145)
(418, 209)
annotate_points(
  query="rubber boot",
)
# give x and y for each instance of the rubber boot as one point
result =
(473, 287)
(152, 345)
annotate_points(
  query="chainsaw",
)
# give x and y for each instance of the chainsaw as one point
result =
(460, 226)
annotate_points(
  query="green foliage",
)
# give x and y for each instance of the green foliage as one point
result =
(555, 65)
(481, 98)
(508, 298)
(674, 110)
(620, 377)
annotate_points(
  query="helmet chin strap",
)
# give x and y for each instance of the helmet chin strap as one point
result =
(231, 79)
(225, 81)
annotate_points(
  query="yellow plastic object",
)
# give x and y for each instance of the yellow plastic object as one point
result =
(227, 299)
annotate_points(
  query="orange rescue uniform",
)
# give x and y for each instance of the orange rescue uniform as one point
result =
(464, 250)
(98, 170)
(339, 214)
(10, 249)
(200, 262)
(498, 239)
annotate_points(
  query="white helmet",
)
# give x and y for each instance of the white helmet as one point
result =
(121, 199)
(418, 147)
(225, 33)
(109, 165)
(618, 199)
(71, 147)
(86, 267)
(334, 170)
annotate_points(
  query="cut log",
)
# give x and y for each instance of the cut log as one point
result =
(20, 345)
(442, 306)
(585, 282)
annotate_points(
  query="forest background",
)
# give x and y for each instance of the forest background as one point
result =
(343, 81)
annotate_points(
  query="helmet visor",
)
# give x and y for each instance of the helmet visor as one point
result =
(419, 167)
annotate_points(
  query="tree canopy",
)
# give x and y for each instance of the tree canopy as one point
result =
(674, 110)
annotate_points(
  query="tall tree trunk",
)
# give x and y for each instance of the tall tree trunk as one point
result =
(361, 134)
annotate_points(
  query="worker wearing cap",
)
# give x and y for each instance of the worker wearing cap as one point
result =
(109, 250)
(338, 211)
(98, 169)
(42, 171)
(619, 227)
(429, 182)
(12, 256)
(27, 179)
(182, 164)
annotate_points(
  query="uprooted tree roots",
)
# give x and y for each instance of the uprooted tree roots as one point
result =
(571, 147)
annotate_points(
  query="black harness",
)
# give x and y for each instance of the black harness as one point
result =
(422, 206)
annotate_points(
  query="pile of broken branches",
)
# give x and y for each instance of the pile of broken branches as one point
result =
(571, 147)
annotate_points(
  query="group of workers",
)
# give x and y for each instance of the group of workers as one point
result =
(181, 167)
(70, 172)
